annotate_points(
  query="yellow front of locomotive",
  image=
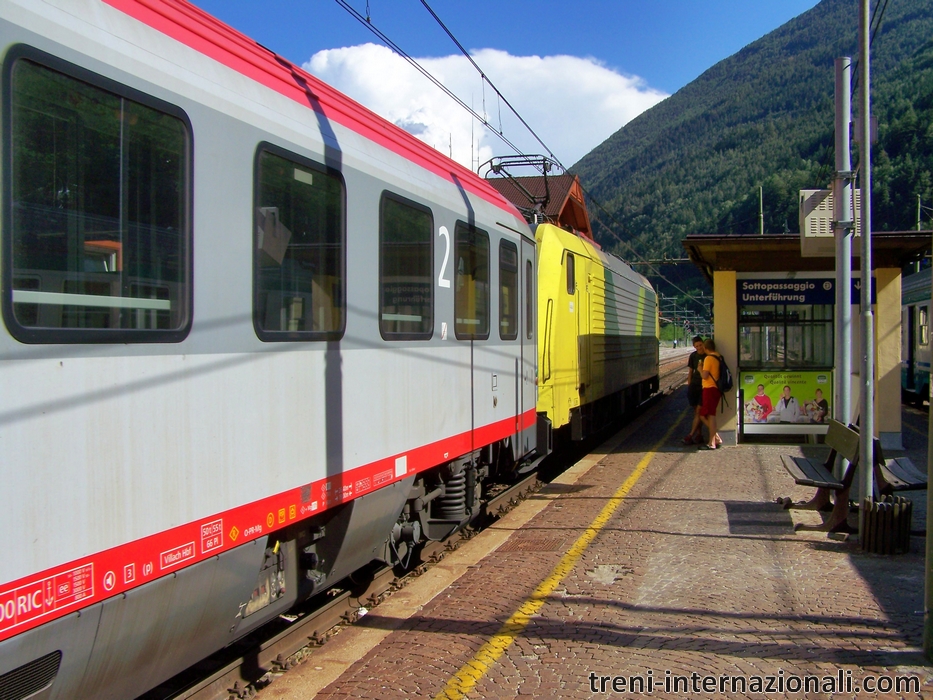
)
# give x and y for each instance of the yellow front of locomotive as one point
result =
(597, 324)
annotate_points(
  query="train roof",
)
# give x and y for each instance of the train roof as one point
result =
(563, 239)
(204, 33)
(916, 287)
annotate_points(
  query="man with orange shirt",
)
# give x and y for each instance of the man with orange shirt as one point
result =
(710, 372)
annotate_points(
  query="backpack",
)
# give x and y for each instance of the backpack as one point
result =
(724, 383)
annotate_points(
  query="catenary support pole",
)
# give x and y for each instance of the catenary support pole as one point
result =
(928, 577)
(843, 224)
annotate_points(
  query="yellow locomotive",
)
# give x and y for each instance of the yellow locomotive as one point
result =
(598, 334)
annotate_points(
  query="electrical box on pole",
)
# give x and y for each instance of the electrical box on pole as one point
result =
(816, 223)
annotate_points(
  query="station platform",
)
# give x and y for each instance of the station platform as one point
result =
(647, 569)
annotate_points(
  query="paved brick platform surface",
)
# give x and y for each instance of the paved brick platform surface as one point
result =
(697, 577)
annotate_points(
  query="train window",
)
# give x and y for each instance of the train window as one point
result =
(97, 249)
(406, 270)
(571, 275)
(924, 326)
(471, 287)
(508, 290)
(299, 249)
(529, 300)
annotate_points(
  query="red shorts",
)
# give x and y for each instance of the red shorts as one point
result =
(710, 403)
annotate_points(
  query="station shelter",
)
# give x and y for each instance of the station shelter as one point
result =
(774, 319)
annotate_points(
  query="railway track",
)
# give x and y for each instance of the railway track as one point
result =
(251, 663)
(672, 372)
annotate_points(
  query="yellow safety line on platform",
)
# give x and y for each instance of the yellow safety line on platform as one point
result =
(464, 680)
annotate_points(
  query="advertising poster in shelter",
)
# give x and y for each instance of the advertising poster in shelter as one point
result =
(786, 397)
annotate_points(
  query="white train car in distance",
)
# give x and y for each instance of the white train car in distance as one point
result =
(915, 337)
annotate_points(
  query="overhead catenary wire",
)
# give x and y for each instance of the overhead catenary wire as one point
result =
(486, 79)
(642, 259)
(367, 22)
(551, 155)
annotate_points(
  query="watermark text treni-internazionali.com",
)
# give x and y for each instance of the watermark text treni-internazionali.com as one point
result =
(780, 682)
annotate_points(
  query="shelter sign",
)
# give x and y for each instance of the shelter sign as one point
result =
(786, 397)
(816, 290)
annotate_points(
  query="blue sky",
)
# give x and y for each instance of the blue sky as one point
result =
(625, 56)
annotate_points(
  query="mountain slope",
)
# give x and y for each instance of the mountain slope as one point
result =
(764, 118)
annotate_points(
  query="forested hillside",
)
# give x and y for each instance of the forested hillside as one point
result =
(764, 118)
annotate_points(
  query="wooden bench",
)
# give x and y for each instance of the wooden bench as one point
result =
(896, 474)
(844, 442)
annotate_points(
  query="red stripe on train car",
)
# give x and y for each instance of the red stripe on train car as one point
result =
(47, 595)
(206, 34)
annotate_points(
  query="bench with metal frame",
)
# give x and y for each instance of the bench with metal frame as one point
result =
(842, 441)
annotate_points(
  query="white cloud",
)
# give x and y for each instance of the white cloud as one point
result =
(572, 103)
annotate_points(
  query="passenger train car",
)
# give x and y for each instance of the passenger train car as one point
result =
(254, 338)
(915, 337)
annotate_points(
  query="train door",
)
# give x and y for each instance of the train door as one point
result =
(472, 316)
(572, 354)
(910, 346)
(527, 399)
(921, 357)
(583, 327)
(576, 273)
(507, 360)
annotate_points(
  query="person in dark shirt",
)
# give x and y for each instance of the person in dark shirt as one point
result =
(818, 408)
(695, 391)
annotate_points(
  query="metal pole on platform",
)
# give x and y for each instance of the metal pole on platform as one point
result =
(928, 578)
(843, 224)
(867, 404)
